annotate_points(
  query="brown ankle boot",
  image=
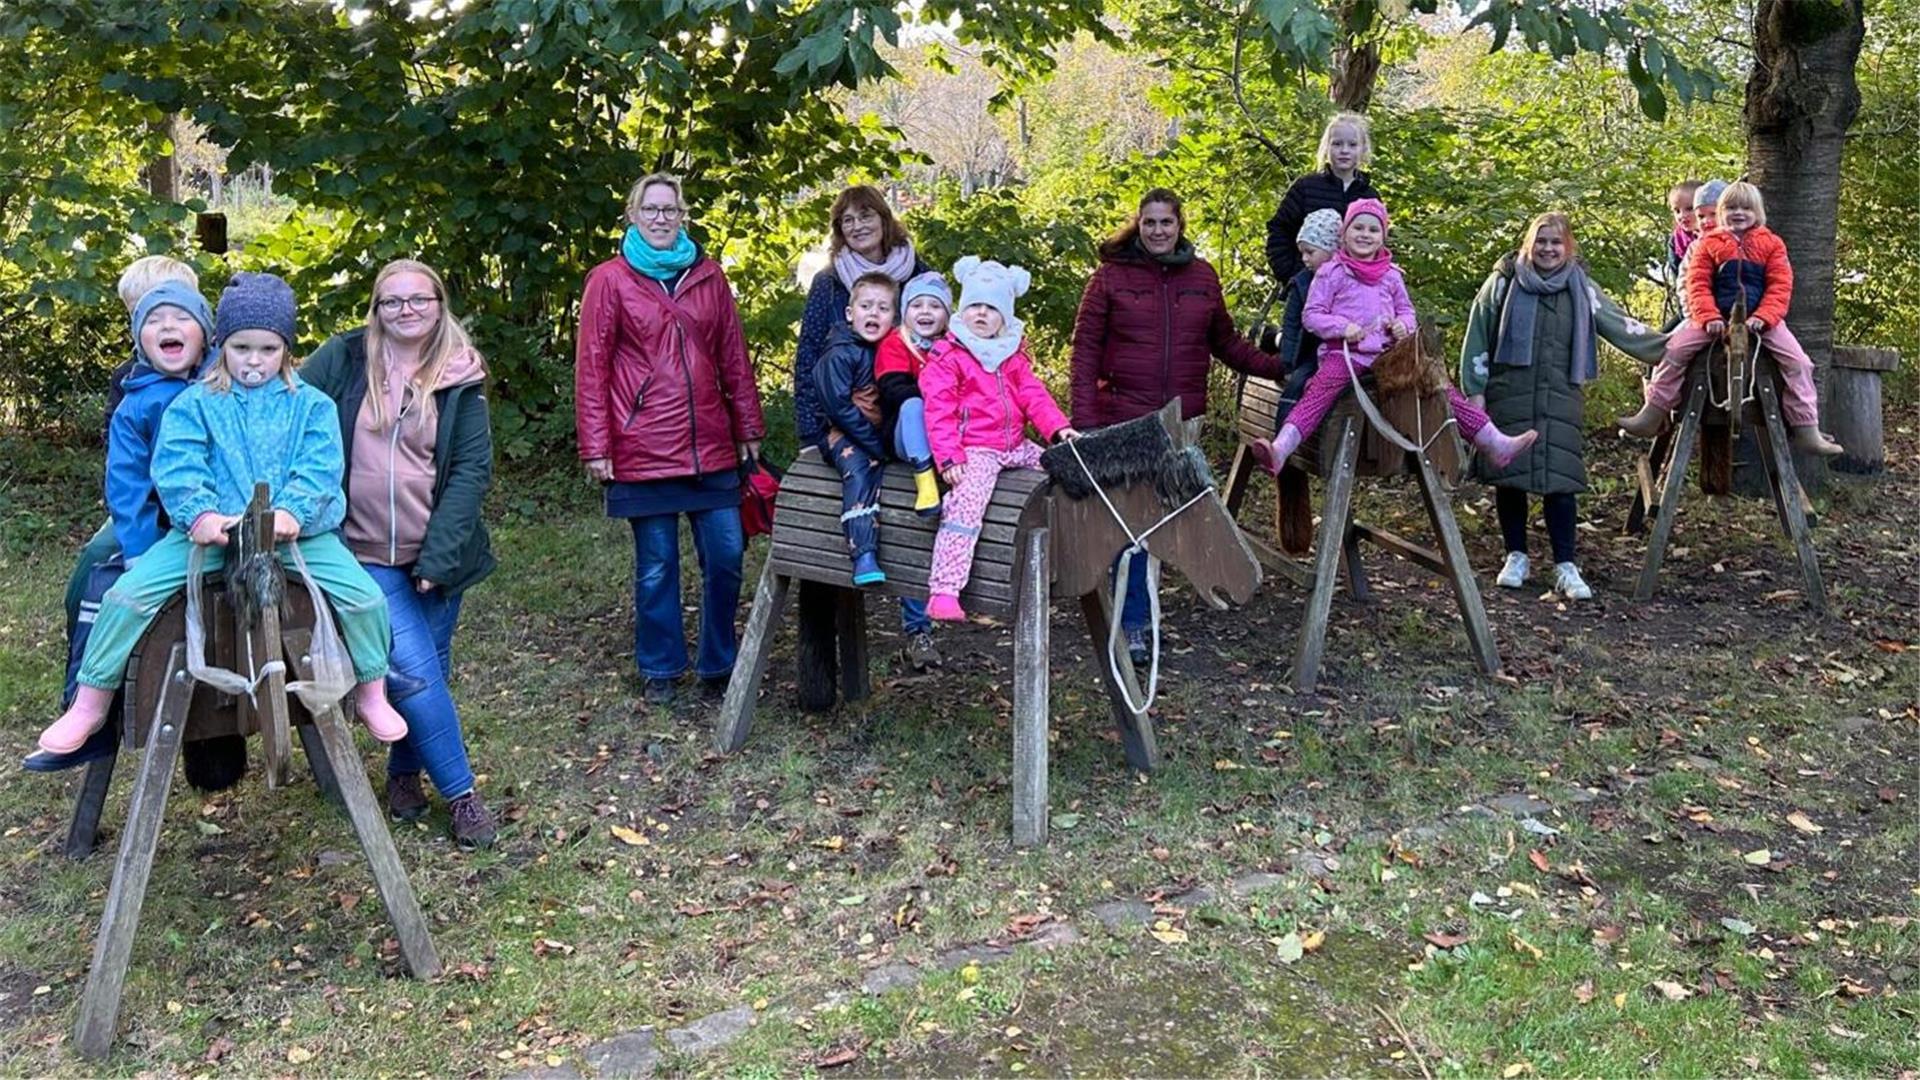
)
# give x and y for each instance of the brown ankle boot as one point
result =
(1646, 423)
(1812, 440)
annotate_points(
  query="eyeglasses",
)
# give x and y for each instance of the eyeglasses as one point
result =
(662, 213)
(858, 217)
(391, 305)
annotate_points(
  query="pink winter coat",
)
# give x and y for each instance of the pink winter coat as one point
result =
(1338, 298)
(968, 407)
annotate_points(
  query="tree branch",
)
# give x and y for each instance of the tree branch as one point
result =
(1239, 97)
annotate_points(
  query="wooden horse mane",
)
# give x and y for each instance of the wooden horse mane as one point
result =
(1138, 451)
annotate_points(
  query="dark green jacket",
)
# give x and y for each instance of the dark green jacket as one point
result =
(456, 551)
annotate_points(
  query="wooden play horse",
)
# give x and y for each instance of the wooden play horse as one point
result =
(1732, 381)
(1358, 439)
(1036, 543)
(164, 707)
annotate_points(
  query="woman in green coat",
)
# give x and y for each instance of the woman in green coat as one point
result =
(1530, 351)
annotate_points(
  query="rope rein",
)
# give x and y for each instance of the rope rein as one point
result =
(1380, 422)
(1122, 577)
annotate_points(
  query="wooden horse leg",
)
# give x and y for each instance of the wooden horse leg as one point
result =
(1326, 559)
(1646, 495)
(107, 978)
(1356, 572)
(1672, 482)
(1136, 728)
(850, 618)
(1293, 510)
(1453, 551)
(1031, 644)
(389, 877)
(1786, 488)
(84, 832)
(743, 689)
(317, 762)
(816, 658)
(1239, 476)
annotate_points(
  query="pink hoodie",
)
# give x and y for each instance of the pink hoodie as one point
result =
(391, 477)
(1338, 298)
(968, 407)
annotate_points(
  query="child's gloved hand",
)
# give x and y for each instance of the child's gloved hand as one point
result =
(1757, 325)
(1354, 332)
(211, 528)
(1717, 327)
(285, 526)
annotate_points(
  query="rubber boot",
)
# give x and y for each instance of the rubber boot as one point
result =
(1500, 447)
(370, 698)
(1644, 424)
(926, 492)
(1273, 455)
(945, 607)
(84, 717)
(1811, 440)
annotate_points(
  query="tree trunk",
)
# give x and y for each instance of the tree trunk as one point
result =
(163, 178)
(1801, 98)
(1355, 66)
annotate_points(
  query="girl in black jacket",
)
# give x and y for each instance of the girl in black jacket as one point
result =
(1345, 146)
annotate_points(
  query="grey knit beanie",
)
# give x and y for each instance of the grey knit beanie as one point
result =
(1708, 193)
(927, 284)
(255, 301)
(1321, 229)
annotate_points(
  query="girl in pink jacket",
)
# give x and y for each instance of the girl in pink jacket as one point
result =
(1358, 306)
(980, 393)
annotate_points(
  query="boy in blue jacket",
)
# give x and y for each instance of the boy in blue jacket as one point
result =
(850, 401)
(249, 420)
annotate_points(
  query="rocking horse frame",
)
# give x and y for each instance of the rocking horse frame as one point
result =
(164, 709)
(1036, 545)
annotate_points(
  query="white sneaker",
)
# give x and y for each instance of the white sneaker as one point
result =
(1514, 574)
(1568, 582)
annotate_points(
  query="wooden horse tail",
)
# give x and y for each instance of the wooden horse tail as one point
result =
(1716, 462)
(215, 764)
(1716, 439)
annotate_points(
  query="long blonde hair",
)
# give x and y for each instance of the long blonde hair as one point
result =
(448, 340)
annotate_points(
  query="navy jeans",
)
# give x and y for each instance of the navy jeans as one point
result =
(1134, 615)
(859, 495)
(659, 638)
(419, 664)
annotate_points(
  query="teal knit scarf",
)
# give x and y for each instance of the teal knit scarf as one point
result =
(653, 262)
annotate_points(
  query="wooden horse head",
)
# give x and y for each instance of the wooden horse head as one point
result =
(1154, 475)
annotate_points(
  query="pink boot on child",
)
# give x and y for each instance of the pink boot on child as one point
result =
(1273, 455)
(370, 698)
(945, 608)
(1500, 447)
(82, 718)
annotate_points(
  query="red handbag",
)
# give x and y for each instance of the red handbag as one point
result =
(759, 485)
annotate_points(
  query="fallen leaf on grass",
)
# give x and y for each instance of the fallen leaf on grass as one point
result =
(1738, 926)
(299, 1055)
(1225, 765)
(1584, 992)
(1022, 925)
(629, 837)
(1672, 991)
(1167, 933)
(1539, 860)
(1289, 949)
(1758, 857)
(1515, 1069)
(832, 843)
(1521, 944)
(1313, 940)
(838, 1056)
(1065, 821)
(219, 1048)
(1804, 823)
(1845, 1033)
(1442, 939)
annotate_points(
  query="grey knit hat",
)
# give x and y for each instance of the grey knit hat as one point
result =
(1708, 193)
(927, 284)
(1321, 229)
(255, 301)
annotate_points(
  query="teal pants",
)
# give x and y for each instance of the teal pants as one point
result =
(133, 602)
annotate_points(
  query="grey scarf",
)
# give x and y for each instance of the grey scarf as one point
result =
(1518, 314)
(994, 351)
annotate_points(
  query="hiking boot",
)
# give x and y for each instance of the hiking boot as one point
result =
(1514, 574)
(472, 825)
(1644, 424)
(406, 800)
(714, 687)
(1568, 582)
(1137, 650)
(922, 653)
(1811, 440)
(658, 692)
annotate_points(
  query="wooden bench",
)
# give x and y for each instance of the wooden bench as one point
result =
(1348, 446)
(1034, 546)
(164, 708)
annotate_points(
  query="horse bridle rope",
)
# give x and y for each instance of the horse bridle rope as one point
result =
(1123, 575)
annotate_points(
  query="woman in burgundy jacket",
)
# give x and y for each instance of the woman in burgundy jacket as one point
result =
(666, 408)
(1149, 327)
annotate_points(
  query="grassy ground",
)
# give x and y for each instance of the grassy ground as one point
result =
(1679, 921)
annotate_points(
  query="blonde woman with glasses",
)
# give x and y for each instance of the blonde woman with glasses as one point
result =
(410, 389)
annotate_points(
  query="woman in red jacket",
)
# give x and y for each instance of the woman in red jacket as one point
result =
(666, 408)
(1149, 327)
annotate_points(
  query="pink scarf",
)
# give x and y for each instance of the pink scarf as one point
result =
(1368, 271)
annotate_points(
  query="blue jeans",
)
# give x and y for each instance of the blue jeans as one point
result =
(659, 639)
(1134, 615)
(419, 664)
(910, 435)
(859, 495)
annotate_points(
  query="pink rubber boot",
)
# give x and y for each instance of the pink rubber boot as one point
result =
(1502, 448)
(82, 718)
(945, 608)
(1273, 455)
(370, 698)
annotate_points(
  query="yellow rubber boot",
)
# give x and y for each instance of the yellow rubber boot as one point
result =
(926, 493)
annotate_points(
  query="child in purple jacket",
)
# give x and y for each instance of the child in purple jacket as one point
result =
(1357, 307)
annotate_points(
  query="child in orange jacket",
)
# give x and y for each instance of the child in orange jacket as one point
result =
(1742, 264)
